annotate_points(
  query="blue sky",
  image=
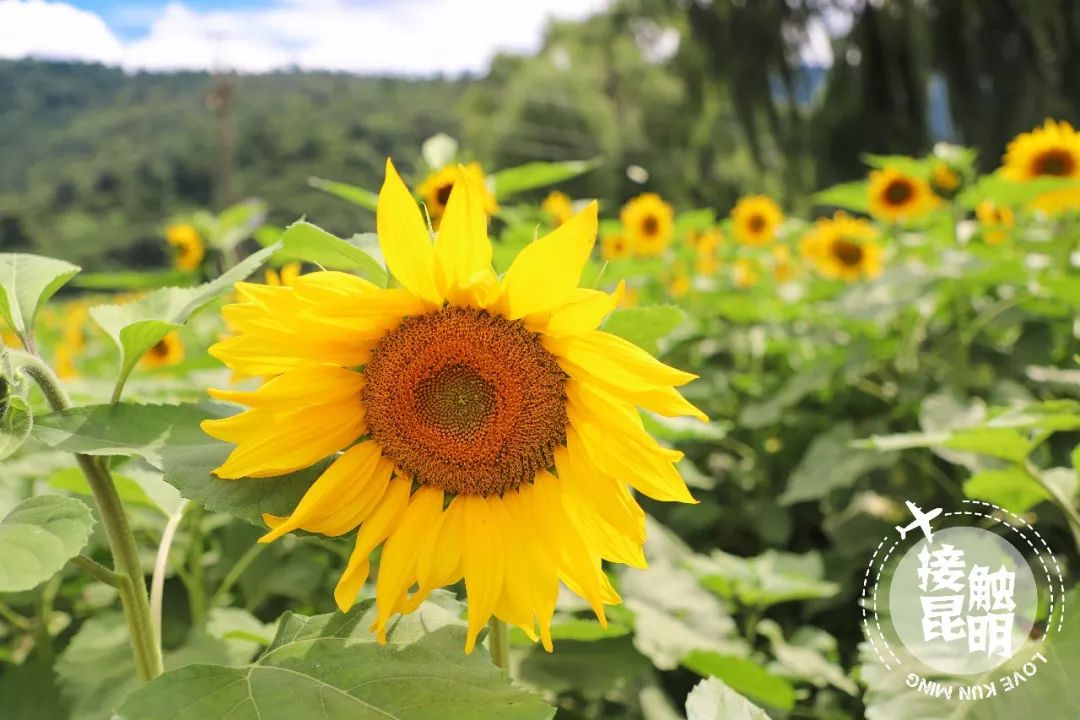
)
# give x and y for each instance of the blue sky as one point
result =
(408, 37)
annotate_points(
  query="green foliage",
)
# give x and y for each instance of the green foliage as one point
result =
(304, 241)
(38, 537)
(26, 284)
(711, 699)
(645, 326)
(333, 662)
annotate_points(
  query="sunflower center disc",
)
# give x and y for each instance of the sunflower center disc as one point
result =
(756, 224)
(443, 194)
(1054, 162)
(898, 192)
(466, 401)
(650, 225)
(847, 252)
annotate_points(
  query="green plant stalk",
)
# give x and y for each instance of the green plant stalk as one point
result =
(197, 585)
(235, 572)
(499, 643)
(132, 585)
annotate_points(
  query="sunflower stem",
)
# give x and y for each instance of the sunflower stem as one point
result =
(499, 643)
(125, 554)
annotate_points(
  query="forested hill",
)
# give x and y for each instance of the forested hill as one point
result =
(93, 161)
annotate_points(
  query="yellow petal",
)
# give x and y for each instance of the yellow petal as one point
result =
(374, 530)
(632, 457)
(273, 443)
(397, 564)
(616, 361)
(335, 491)
(483, 561)
(297, 387)
(547, 271)
(404, 238)
(541, 577)
(462, 248)
(584, 311)
(438, 561)
(602, 494)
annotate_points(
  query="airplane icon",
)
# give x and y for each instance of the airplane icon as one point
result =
(921, 521)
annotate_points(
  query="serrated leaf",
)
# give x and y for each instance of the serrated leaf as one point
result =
(745, 677)
(766, 579)
(26, 283)
(138, 326)
(711, 699)
(352, 193)
(304, 241)
(531, 176)
(16, 422)
(332, 663)
(38, 537)
(644, 326)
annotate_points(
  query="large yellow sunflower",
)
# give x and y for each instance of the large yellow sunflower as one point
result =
(649, 222)
(894, 196)
(755, 219)
(1051, 150)
(843, 247)
(489, 428)
(435, 190)
(190, 250)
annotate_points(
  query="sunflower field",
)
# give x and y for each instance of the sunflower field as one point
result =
(523, 455)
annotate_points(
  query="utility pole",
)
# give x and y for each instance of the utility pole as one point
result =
(220, 99)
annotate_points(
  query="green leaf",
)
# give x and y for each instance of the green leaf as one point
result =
(27, 282)
(352, 193)
(138, 326)
(998, 190)
(807, 380)
(711, 699)
(531, 176)
(16, 422)
(38, 537)
(901, 441)
(332, 663)
(135, 486)
(593, 668)
(190, 457)
(644, 326)
(1009, 487)
(30, 692)
(767, 579)
(304, 241)
(830, 463)
(96, 670)
(170, 439)
(1004, 443)
(849, 196)
(131, 280)
(745, 677)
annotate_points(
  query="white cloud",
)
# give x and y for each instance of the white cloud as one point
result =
(402, 37)
(55, 31)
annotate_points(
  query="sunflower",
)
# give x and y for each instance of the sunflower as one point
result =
(286, 275)
(895, 197)
(843, 247)
(1051, 150)
(435, 190)
(190, 250)
(558, 206)
(64, 360)
(649, 222)
(755, 219)
(678, 284)
(489, 429)
(783, 267)
(745, 274)
(615, 247)
(168, 351)
(945, 181)
(994, 222)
